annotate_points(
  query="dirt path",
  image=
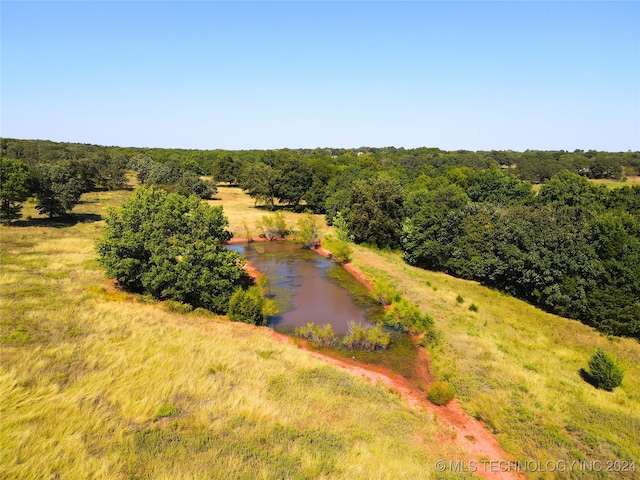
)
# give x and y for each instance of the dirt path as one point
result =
(472, 436)
(485, 456)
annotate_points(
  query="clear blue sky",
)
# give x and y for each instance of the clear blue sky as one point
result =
(242, 75)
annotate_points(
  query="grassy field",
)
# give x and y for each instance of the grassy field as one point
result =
(241, 209)
(100, 384)
(517, 368)
(630, 180)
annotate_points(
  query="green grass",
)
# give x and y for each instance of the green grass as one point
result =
(518, 369)
(86, 369)
(98, 383)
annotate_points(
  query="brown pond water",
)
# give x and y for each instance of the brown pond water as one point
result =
(308, 287)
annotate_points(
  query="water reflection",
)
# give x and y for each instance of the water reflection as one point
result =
(307, 287)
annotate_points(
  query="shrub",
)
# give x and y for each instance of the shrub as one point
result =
(341, 251)
(267, 227)
(440, 393)
(247, 232)
(341, 227)
(384, 293)
(407, 316)
(309, 232)
(459, 299)
(178, 307)
(250, 306)
(322, 336)
(361, 338)
(604, 372)
(281, 225)
(473, 307)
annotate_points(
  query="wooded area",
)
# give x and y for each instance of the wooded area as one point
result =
(572, 248)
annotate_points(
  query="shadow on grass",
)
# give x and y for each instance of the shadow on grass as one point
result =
(587, 377)
(59, 222)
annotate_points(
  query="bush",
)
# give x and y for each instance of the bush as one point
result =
(340, 250)
(273, 226)
(250, 306)
(322, 336)
(440, 393)
(459, 299)
(604, 372)
(178, 307)
(407, 316)
(473, 307)
(384, 293)
(361, 338)
(309, 234)
(341, 227)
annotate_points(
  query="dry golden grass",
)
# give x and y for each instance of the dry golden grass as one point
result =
(97, 383)
(630, 180)
(241, 208)
(517, 368)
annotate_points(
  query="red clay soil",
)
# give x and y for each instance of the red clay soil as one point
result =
(251, 269)
(357, 274)
(485, 456)
(236, 240)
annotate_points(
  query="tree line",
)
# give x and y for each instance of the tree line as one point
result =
(573, 248)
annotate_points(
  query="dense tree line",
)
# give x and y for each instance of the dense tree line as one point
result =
(573, 248)
(56, 174)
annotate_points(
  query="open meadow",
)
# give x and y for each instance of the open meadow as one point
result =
(515, 367)
(629, 181)
(101, 384)
(98, 383)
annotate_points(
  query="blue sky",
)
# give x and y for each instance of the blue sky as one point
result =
(244, 75)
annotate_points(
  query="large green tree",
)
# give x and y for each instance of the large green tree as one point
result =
(261, 182)
(376, 212)
(14, 188)
(58, 189)
(172, 247)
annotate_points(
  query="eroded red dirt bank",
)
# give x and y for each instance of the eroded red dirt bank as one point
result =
(471, 435)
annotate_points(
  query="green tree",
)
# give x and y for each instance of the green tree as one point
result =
(571, 190)
(172, 247)
(192, 184)
(58, 190)
(376, 212)
(14, 187)
(295, 180)
(308, 234)
(261, 181)
(604, 372)
(342, 227)
(226, 169)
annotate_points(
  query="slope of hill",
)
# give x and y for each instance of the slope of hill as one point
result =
(99, 384)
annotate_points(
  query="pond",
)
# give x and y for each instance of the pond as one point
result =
(309, 288)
